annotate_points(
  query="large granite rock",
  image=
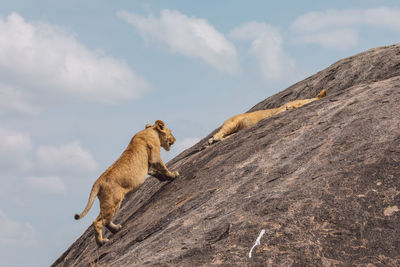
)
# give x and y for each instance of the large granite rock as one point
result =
(323, 181)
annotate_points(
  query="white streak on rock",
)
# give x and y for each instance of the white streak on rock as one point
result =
(257, 243)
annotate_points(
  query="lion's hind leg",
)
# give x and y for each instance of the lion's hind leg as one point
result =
(113, 228)
(217, 137)
(108, 207)
(104, 219)
(98, 226)
(229, 127)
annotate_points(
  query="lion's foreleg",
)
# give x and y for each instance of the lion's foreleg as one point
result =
(157, 166)
(162, 171)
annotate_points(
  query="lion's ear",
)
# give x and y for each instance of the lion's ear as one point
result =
(160, 125)
(148, 126)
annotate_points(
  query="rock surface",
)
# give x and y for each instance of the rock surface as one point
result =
(322, 180)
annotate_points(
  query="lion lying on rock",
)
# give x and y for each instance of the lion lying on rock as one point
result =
(246, 120)
(140, 158)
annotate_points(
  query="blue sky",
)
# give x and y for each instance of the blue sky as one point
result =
(79, 78)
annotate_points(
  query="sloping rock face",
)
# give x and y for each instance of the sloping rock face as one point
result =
(323, 181)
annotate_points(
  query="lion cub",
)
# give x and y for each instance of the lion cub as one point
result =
(141, 157)
(246, 120)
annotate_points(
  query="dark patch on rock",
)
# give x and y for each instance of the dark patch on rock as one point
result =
(322, 180)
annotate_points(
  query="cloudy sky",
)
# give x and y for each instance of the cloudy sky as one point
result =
(79, 78)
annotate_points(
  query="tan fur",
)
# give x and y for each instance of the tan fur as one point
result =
(246, 120)
(140, 158)
(302, 102)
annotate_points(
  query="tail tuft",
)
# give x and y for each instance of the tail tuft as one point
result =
(321, 94)
(77, 217)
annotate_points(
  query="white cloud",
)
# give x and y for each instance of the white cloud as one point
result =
(46, 61)
(266, 46)
(315, 21)
(69, 158)
(15, 101)
(17, 234)
(15, 147)
(189, 36)
(47, 184)
(337, 39)
(17, 156)
(186, 143)
(381, 17)
(337, 28)
(253, 30)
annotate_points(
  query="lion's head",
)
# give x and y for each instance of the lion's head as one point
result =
(166, 137)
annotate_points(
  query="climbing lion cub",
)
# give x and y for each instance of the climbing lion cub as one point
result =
(245, 120)
(141, 157)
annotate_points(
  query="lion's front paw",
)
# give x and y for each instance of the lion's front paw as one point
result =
(211, 141)
(175, 174)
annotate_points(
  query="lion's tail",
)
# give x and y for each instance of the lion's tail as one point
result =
(321, 94)
(92, 197)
